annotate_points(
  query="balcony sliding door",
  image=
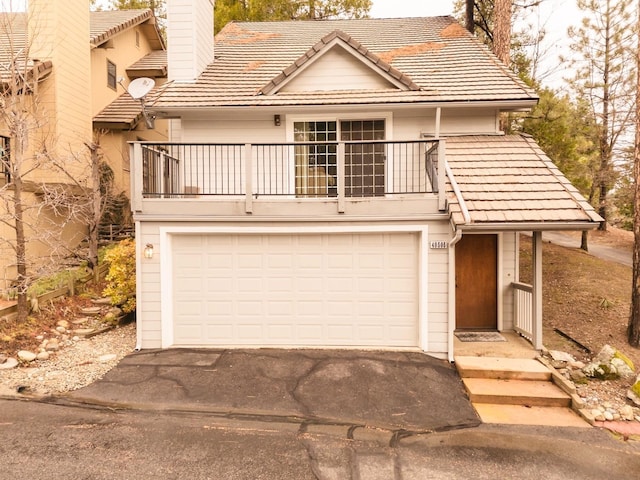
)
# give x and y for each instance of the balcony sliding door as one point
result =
(316, 158)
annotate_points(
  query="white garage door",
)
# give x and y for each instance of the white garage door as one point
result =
(295, 290)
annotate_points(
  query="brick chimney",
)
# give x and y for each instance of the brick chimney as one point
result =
(189, 38)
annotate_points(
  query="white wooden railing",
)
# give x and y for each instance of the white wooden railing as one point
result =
(523, 304)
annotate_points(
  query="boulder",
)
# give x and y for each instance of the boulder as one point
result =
(609, 364)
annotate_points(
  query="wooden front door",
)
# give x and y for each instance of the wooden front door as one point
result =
(477, 282)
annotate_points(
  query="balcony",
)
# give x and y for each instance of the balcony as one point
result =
(329, 178)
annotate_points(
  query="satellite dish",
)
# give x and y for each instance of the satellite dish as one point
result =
(139, 87)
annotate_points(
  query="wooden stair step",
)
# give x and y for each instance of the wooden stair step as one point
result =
(516, 392)
(501, 368)
(521, 415)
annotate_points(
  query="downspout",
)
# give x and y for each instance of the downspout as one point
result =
(452, 260)
(452, 292)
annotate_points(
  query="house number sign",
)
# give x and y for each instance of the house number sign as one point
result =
(439, 244)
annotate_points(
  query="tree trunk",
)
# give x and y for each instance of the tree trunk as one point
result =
(584, 241)
(502, 30)
(469, 23)
(21, 250)
(633, 329)
(96, 213)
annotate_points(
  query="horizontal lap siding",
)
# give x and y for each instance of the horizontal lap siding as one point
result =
(149, 306)
(438, 299)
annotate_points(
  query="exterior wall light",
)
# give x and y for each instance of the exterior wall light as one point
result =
(148, 250)
(276, 120)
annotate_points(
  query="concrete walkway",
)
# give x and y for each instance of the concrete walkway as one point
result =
(391, 390)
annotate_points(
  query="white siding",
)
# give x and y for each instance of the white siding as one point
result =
(337, 70)
(509, 269)
(438, 295)
(189, 38)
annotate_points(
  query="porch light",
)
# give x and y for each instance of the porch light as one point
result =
(148, 250)
(276, 120)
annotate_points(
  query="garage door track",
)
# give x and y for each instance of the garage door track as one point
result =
(399, 391)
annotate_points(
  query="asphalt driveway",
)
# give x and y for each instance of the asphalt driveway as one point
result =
(398, 391)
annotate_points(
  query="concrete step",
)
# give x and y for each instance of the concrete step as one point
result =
(521, 415)
(501, 368)
(516, 392)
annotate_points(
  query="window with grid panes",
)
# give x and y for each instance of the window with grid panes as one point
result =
(316, 159)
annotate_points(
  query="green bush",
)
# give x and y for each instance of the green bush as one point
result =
(121, 278)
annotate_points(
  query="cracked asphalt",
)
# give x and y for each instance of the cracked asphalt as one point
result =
(90, 442)
(390, 390)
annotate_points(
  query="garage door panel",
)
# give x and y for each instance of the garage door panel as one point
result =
(296, 290)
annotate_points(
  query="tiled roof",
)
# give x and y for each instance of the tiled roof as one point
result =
(13, 47)
(443, 60)
(104, 25)
(123, 113)
(153, 64)
(509, 179)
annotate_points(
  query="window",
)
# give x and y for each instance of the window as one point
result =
(364, 162)
(112, 79)
(316, 161)
(5, 159)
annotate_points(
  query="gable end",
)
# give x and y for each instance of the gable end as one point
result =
(328, 45)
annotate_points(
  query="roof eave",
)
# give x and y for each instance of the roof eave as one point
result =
(502, 105)
(527, 226)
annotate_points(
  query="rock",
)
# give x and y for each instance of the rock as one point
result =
(9, 363)
(63, 323)
(61, 329)
(577, 376)
(609, 364)
(52, 345)
(608, 416)
(576, 364)
(92, 311)
(75, 338)
(43, 355)
(102, 301)
(40, 338)
(80, 320)
(109, 317)
(626, 413)
(117, 311)
(3, 358)
(561, 356)
(26, 356)
(107, 358)
(83, 331)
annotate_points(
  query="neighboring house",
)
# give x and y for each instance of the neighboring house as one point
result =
(78, 64)
(338, 183)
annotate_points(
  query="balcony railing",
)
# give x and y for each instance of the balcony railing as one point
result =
(292, 170)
